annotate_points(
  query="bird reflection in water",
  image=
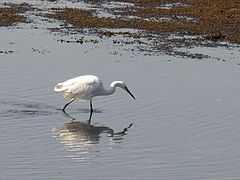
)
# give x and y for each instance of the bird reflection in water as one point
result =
(80, 136)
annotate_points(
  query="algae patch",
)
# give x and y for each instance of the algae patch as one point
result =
(11, 14)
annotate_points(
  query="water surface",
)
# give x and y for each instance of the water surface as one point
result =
(185, 116)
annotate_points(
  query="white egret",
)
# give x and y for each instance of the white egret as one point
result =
(85, 88)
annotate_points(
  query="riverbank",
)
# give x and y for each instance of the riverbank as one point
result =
(154, 27)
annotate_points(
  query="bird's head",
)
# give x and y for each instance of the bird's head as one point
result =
(122, 85)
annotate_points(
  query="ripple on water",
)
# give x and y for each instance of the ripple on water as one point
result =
(14, 109)
(82, 139)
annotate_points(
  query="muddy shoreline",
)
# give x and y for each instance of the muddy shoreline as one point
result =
(161, 26)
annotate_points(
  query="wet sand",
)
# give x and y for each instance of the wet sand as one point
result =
(193, 23)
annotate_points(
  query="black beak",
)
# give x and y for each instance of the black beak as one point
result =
(129, 92)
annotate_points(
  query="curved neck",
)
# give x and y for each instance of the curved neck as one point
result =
(112, 87)
(110, 90)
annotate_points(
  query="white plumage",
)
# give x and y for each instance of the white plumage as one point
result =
(86, 87)
(82, 87)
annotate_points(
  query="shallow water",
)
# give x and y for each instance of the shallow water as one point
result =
(185, 116)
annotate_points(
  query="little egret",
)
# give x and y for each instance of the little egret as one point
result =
(85, 88)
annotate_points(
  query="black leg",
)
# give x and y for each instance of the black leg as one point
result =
(68, 115)
(89, 120)
(64, 107)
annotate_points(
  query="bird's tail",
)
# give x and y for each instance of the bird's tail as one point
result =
(59, 87)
